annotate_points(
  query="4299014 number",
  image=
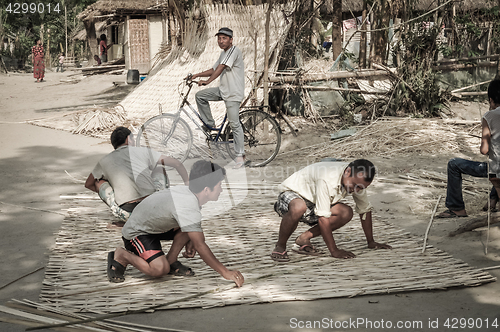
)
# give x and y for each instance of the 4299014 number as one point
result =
(23, 8)
(471, 323)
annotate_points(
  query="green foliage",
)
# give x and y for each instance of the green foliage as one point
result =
(418, 92)
(26, 27)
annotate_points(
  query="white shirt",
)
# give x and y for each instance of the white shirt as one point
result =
(320, 184)
(493, 119)
(232, 78)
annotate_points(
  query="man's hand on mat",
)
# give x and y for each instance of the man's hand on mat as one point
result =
(343, 254)
(235, 276)
(189, 252)
(376, 245)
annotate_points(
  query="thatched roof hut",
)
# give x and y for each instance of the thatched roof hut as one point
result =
(356, 6)
(103, 8)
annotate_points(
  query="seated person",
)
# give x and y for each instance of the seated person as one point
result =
(173, 214)
(490, 145)
(127, 175)
(312, 196)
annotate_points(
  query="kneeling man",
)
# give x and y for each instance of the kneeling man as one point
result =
(171, 214)
(312, 195)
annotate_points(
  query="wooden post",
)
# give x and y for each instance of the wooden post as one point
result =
(362, 38)
(266, 55)
(66, 31)
(337, 28)
(255, 74)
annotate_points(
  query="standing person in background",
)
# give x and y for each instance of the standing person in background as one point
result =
(103, 48)
(38, 64)
(60, 63)
(97, 60)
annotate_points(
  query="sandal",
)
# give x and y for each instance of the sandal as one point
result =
(450, 214)
(280, 256)
(179, 269)
(116, 274)
(306, 249)
(242, 164)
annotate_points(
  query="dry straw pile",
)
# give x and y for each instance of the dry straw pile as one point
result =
(389, 136)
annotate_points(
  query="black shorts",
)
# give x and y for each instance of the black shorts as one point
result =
(129, 207)
(148, 247)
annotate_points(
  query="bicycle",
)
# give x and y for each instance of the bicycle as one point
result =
(170, 134)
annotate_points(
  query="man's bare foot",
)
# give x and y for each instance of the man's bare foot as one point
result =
(301, 240)
(279, 255)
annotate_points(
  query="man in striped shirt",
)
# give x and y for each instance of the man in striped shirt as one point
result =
(231, 70)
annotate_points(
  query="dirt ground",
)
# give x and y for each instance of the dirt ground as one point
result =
(33, 166)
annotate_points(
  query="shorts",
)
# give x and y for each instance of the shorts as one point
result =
(129, 207)
(284, 199)
(148, 247)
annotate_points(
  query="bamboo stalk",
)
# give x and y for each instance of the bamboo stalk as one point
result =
(430, 224)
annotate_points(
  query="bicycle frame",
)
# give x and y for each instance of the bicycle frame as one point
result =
(182, 109)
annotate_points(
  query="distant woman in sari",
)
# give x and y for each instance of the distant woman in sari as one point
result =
(38, 65)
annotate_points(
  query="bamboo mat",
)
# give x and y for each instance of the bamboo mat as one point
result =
(241, 238)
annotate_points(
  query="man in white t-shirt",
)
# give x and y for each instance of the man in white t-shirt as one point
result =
(312, 196)
(231, 69)
(127, 175)
(171, 214)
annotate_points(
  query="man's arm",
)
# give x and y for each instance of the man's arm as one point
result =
(485, 138)
(215, 73)
(326, 233)
(367, 225)
(179, 167)
(208, 257)
(206, 73)
(90, 183)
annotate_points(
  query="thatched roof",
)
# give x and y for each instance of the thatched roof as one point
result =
(109, 7)
(421, 5)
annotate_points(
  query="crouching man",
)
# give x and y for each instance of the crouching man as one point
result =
(312, 195)
(171, 214)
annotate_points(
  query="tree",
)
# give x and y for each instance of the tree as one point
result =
(337, 28)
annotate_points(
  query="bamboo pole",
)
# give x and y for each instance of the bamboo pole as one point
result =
(266, 55)
(430, 223)
(324, 88)
(329, 76)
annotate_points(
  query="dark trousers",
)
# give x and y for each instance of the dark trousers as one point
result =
(457, 167)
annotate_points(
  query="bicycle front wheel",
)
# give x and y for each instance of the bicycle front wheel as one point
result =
(168, 134)
(262, 137)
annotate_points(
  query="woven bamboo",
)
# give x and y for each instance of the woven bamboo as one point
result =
(242, 239)
(245, 21)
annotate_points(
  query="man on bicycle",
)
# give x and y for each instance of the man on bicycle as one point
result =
(231, 69)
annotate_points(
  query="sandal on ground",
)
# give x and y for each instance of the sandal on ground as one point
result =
(241, 164)
(280, 256)
(450, 214)
(179, 269)
(115, 225)
(306, 249)
(116, 274)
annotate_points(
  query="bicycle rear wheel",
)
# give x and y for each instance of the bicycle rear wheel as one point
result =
(168, 134)
(262, 137)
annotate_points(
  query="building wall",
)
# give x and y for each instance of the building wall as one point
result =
(155, 35)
